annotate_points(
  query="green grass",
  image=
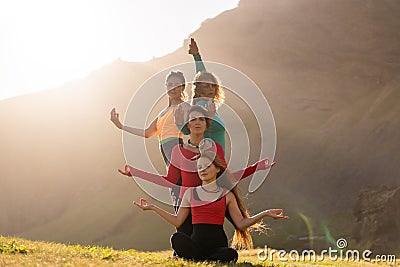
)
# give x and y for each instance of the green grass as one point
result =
(21, 252)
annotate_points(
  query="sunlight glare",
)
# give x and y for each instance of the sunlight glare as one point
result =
(46, 43)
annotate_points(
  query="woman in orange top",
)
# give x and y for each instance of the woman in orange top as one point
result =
(164, 125)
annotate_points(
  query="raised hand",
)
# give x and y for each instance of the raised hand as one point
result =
(179, 115)
(126, 171)
(115, 118)
(143, 204)
(211, 107)
(193, 49)
(276, 214)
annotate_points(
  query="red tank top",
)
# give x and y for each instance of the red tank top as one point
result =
(204, 212)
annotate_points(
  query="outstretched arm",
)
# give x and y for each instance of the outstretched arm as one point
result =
(148, 132)
(243, 223)
(175, 220)
(249, 170)
(148, 176)
(194, 50)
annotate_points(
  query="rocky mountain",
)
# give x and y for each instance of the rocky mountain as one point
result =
(378, 218)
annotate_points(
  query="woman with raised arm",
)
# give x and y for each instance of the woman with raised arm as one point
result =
(183, 162)
(206, 92)
(207, 204)
(164, 125)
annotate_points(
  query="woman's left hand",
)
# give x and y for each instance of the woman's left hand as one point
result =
(143, 204)
(211, 108)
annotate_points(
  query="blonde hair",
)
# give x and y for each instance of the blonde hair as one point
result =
(241, 238)
(208, 77)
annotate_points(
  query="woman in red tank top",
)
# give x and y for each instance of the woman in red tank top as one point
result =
(207, 203)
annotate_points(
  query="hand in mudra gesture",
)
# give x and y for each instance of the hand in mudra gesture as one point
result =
(143, 204)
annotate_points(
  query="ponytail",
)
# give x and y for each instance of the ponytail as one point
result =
(242, 238)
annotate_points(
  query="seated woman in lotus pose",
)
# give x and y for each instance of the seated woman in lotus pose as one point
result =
(207, 204)
(163, 125)
(183, 162)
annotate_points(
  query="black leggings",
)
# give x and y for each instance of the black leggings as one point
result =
(207, 242)
(166, 151)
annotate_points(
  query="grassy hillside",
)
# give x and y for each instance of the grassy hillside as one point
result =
(21, 252)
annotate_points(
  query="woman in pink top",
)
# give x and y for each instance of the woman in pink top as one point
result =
(183, 162)
(207, 204)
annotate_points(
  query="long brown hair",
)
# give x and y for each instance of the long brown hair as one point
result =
(241, 238)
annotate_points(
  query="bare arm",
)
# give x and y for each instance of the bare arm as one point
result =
(243, 223)
(148, 132)
(174, 219)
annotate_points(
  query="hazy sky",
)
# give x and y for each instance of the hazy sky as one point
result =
(44, 43)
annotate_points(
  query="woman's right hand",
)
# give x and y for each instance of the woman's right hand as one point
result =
(126, 171)
(115, 118)
(144, 204)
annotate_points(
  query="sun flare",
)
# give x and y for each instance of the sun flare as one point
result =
(46, 43)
